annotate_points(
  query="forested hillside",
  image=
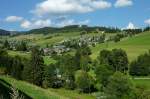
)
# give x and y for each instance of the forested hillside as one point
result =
(84, 64)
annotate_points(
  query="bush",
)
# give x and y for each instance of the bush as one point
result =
(83, 81)
(141, 66)
(116, 59)
(103, 72)
(117, 38)
(119, 87)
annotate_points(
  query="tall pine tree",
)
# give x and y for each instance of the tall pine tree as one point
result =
(37, 65)
(33, 72)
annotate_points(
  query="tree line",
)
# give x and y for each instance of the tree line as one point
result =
(73, 72)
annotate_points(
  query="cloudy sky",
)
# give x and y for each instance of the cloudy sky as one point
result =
(30, 14)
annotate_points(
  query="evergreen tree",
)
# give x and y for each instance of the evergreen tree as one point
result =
(147, 28)
(17, 67)
(5, 61)
(27, 71)
(21, 46)
(37, 64)
(82, 58)
(6, 44)
(77, 58)
(34, 70)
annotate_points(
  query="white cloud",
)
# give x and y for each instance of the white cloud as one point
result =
(66, 22)
(72, 22)
(147, 21)
(13, 19)
(131, 26)
(123, 3)
(84, 22)
(26, 24)
(42, 23)
(52, 7)
(35, 24)
(100, 4)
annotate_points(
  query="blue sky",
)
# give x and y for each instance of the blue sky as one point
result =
(29, 14)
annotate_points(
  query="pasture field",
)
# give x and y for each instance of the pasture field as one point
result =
(47, 59)
(145, 83)
(134, 46)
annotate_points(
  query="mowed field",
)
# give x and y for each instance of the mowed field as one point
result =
(134, 46)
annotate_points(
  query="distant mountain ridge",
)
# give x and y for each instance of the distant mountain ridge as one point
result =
(4, 32)
(71, 28)
(66, 29)
(9, 33)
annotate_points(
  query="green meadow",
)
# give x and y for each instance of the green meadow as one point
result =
(40, 93)
(134, 46)
(35, 92)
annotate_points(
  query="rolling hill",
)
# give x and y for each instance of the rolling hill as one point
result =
(134, 46)
(4, 32)
(39, 93)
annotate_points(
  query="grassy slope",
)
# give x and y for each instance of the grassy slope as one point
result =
(145, 83)
(19, 53)
(31, 90)
(47, 60)
(40, 93)
(72, 94)
(134, 46)
(43, 40)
